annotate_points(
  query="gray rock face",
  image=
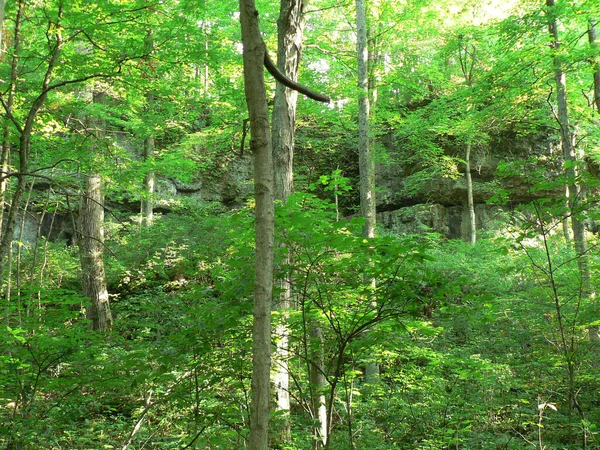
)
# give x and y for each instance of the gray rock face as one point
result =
(449, 221)
(235, 185)
(410, 204)
(51, 226)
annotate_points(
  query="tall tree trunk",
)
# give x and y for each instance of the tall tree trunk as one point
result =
(205, 66)
(470, 204)
(592, 38)
(4, 159)
(289, 49)
(2, 11)
(15, 204)
(91, 241)
(569, 154)
(5, 151)
(290, 33)
(317, 387)
(594, 331)
(366, 164)
(91, 237)
(365, 159)
(256, 99)
(466, 57)
(26, 131)
(147, 204)
(6, 230)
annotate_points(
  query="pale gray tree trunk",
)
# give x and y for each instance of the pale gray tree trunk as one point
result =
(569, 154)
(147, 204)
(256, 99)
(592, 35)
(594, 331)
(365, 158)
(317, 387)
(565, 222)
(2, 11)
(290, 33)
(5, 151)
(4, 158)
(470, 204)
(466, 57)
(366, 164)
(289, 49)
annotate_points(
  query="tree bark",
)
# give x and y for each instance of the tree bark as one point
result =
(366, 164)
(317, 387)
(594, 331)
(470, 204)
(7, 232)
(256, 99)
(365, 159)
(5, 152)
(2, 11)
(91, 241)
(569, 153)
(147, 204)
(290, 33)
(91, 237)
(592, 38)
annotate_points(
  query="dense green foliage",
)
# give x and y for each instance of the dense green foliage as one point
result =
(467, 336)
(486, 346)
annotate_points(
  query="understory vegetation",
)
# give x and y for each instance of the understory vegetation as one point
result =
(481, 346)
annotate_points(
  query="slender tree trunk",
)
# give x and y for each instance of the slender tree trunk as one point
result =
(19, 271)
(569, 154)
(13, 211)
(7, 231)
(365, 159)
(592, 38)
(2, 11)
(565, 222)
(4, 159)
(205, 71)
(290, 34)
(26, 131)
(366, 164)
(470, 204)
(467, 60)
(317, 387)
(147, 204)
(256, 99)
(594, 331)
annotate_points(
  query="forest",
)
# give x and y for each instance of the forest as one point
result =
(299, 225)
